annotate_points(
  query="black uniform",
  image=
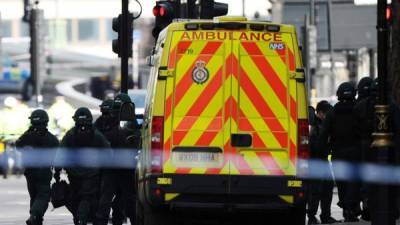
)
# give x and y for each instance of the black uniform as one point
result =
(118, 183)
(339, 126)
(321, 190)
(364, 113)
(38, 176)
(364, 120)
(84, 180)
(109, 126)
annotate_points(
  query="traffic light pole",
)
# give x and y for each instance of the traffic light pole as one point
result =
(383, 196)
(125, 48)
(37, 52)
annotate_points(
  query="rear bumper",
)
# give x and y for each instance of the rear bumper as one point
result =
(221, 192)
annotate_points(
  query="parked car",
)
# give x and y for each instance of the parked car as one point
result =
(15, 78)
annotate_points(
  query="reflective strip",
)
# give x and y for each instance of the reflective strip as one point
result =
(268, 72)
(201, 122)
(200, 104)
(170, 196)
(287, 198)
(212, 130)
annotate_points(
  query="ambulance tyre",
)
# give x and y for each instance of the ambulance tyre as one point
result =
(149, 216)
(139, 213)
(298, 215)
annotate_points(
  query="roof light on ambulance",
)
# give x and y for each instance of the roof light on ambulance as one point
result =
(192, 26)
(273, 28)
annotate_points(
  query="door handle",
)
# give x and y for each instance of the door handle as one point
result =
(241, 140)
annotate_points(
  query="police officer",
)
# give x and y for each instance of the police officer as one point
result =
(84, 178)
(117, 180)
(321, 190)
(108, 124)
(339, 128)
(363, 88)
(364, 119)
(38, 176)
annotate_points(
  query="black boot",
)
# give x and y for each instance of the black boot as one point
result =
(81, 222)
(313, 220)
(365, 215)
(350, 216)
(34, 220)
(328, 220)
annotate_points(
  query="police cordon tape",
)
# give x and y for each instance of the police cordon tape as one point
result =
(67, 158)
(127, 158)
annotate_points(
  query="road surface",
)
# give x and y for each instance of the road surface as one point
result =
(14, 206)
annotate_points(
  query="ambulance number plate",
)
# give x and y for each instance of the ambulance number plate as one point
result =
(209, 158)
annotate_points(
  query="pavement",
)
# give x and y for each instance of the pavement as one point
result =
(14, 206)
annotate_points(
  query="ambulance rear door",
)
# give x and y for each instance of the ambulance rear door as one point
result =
(263, 133)
(196, 131)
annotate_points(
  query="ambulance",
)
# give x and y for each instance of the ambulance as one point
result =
(225, 125)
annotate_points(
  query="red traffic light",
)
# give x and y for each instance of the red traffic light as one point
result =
(389, 13)
(156, 10)
(164, 9)
(165, 12)
(160, 11)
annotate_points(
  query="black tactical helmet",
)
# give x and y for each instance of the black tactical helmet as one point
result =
(323, 106)
(374, 87)
(107, 106)
(83, 116)
(39, 117)
(120, 99)
(364, 86)
(346, 91)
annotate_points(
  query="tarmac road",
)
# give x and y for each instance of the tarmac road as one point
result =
(14, 206)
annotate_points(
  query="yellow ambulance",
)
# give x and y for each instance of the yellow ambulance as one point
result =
(225, 125)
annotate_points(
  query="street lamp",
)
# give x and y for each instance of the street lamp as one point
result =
(385, 195)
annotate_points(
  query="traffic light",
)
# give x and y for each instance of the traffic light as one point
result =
(389, 13)
(165, 12)
(210, 9)
(117, 44)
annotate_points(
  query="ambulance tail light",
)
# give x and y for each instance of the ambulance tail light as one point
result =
(303, 148)
(157, 136)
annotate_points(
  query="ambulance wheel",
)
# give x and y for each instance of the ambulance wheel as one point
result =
(139, 213)
(298, 215)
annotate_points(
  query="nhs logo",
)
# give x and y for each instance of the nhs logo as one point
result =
(276, 46)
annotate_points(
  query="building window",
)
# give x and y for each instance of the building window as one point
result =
(88, 30)
(24, 29)
(6, 28)
(111, 34)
